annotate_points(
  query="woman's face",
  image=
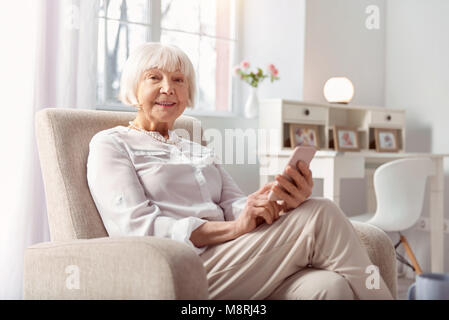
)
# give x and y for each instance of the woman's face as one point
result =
(163, 95)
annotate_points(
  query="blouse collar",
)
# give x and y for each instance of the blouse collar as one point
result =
(172, 136)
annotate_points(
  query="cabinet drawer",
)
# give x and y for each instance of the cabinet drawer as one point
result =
(304, 113)
(388, 118)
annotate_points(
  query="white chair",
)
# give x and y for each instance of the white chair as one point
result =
(400, 188)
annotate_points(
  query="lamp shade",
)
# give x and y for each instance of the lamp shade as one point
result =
(338, 90)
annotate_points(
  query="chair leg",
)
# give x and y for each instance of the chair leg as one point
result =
(411, 255)
(404, 261)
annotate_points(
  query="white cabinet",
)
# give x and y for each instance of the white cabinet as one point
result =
(277, 115)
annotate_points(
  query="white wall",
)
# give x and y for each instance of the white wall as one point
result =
(245, 175)
(273, 32)
(337, 43)
(417, 79)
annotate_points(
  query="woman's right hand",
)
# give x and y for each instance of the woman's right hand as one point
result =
(258, 209)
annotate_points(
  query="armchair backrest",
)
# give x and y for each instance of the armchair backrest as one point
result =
(63, 137)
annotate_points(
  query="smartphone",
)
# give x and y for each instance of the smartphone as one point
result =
(303, 153)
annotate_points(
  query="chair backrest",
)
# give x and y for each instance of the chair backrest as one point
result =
(400, 189)
(63, 137)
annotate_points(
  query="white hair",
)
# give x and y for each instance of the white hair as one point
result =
(154, 55)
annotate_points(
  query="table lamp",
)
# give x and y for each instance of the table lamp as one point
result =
(338, 90)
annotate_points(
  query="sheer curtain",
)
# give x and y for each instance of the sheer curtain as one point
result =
(48, 59)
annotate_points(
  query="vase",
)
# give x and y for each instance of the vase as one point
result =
(252, 104)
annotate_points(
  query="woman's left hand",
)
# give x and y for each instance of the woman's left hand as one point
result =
(299, 190)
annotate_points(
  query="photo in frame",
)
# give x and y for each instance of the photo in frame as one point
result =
(386, 140)
(346, 139)
(303, 135)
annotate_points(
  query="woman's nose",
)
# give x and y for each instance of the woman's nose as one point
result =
(167, 87)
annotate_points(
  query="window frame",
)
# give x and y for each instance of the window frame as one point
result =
(154, 34)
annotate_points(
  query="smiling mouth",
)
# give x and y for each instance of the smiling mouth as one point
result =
(165, 103)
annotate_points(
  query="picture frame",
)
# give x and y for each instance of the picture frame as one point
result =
(346, 139)
(386, 140)
(304, 135)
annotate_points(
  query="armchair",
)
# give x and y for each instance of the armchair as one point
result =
(118, 267)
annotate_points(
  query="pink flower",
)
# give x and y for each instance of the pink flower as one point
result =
(244, 64)
(236, 70)
(274, 72)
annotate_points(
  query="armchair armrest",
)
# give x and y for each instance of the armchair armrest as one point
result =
(381, 252)
(114, 268)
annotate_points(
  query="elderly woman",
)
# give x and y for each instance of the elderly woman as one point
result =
(148, 181)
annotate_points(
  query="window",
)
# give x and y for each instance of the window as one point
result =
(204, 29)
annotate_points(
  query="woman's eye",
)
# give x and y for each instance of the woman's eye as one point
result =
(152, 77)
(179, 80)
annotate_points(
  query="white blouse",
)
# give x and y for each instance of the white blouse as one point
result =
(145, 187)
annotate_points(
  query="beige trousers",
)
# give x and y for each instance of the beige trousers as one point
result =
(311, 252)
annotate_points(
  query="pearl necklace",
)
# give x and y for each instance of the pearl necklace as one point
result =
(153, 134)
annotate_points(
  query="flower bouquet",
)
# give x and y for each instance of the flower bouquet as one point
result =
(253, 79)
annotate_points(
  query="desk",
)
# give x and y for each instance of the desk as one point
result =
(333, 166)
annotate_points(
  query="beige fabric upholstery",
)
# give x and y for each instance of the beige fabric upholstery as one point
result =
(114, 268)
(128, 268)
(381, 251)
